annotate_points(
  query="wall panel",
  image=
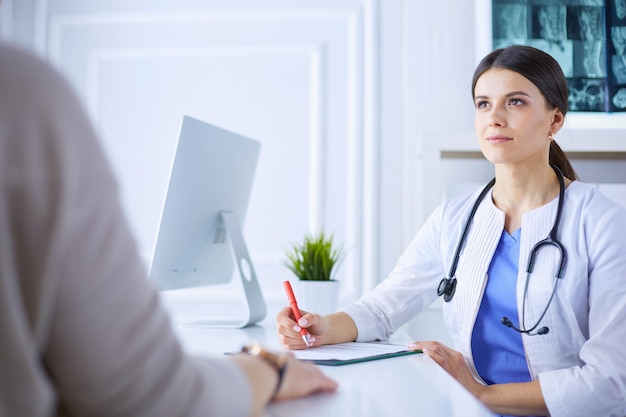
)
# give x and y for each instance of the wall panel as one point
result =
(290, 74)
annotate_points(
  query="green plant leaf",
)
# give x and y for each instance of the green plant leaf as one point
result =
(315, 258)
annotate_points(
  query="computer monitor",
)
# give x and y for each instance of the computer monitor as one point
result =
(200, 237)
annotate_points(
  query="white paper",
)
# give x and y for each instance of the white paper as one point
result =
(347, 351)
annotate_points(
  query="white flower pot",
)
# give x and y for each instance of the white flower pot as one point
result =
(321, 297)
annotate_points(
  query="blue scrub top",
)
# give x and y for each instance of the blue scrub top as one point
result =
(497, 350)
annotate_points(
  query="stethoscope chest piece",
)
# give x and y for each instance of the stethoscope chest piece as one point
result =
(447, 288)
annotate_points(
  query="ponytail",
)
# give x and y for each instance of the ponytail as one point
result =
(558, 158)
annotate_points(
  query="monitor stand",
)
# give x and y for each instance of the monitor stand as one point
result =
(254, 303)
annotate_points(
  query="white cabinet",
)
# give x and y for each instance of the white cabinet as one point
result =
(453, 164)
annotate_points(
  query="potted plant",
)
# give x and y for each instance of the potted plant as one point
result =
(314, 261)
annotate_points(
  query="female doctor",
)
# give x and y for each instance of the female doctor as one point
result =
(534, 265)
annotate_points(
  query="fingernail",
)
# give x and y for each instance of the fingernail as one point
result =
(296, 328)
(303, 322)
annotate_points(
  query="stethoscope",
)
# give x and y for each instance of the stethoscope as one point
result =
(447, 286)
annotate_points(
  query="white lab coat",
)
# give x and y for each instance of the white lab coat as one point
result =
(581, 362)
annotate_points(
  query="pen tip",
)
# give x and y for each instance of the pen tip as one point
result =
(307, 340)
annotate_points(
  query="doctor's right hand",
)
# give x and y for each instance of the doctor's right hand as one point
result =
(289, 330)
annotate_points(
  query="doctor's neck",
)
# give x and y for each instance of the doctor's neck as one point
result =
(519, 189)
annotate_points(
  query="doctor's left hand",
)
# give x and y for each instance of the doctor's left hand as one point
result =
(452, 362)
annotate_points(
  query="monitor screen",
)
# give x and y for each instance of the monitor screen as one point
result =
(199, 241)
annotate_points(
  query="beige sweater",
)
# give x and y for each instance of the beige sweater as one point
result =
(81, 328)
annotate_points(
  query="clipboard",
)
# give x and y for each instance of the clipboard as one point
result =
(339, 362)
(352, 352)
(349, 353)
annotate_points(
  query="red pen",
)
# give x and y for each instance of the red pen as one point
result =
(296, 311)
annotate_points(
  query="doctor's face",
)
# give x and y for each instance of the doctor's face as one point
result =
(512, 120)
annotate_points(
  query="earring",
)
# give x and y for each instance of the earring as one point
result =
(550, 137)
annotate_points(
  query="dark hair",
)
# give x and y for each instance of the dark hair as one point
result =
(543, 71)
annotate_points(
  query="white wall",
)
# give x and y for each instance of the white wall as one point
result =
(363, 109)
(302, 77)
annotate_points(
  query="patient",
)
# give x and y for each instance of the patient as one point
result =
(82, 329)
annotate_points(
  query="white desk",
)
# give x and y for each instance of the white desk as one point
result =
(404, 386)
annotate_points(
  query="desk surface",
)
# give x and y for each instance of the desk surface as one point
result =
(403, 386)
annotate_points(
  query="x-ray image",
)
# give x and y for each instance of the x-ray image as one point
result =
(618, 67)
(585, 23)
(586, 94)
(589, 61)
(510, 21)
(620, 8)
(592, 2)
(586, 37)
(618, 39)
(619, 99)
(563, 52)
(503, 43)
(550, 22)
(599, 3)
